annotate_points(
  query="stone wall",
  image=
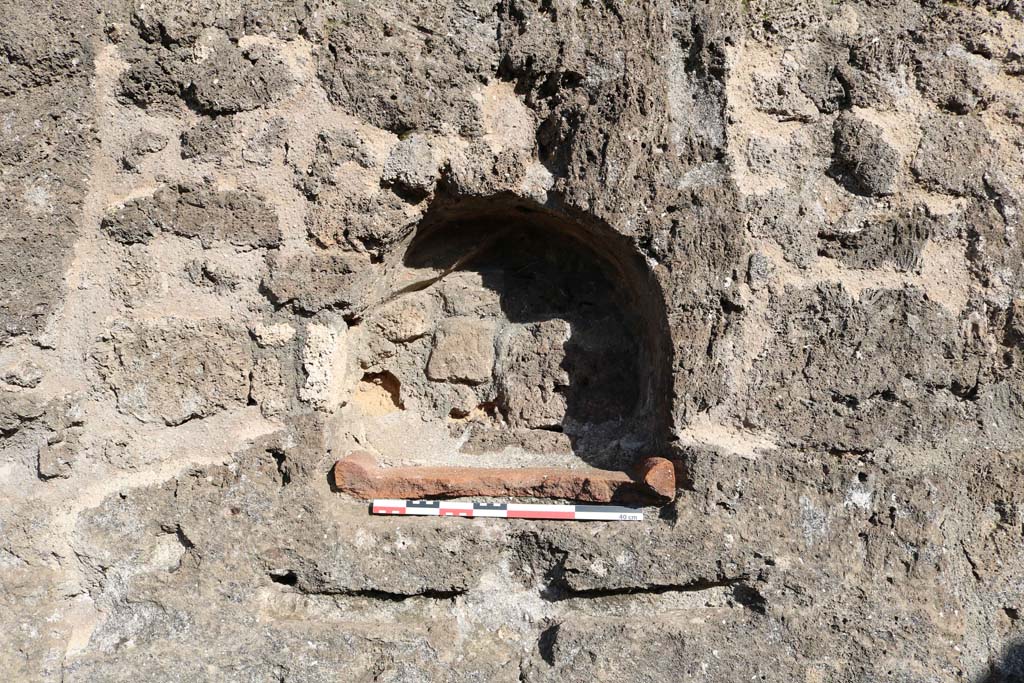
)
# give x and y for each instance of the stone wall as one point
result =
(779, 242)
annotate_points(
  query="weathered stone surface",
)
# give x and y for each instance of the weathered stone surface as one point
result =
(25, 374)
(995, 245)
(368, 223)
(273, 335)
(139, 147)
(17, 409)
(55, 460)
(232, 216)
(42, 46)
(779, 242)
(864, 160)
(408, 318)
(486, 438)
(176, 370)
(463, 351)
(954, 155)
(216, 77)
(881, 66)
(268, 388)
(208, 140)
(874, 240)
(314, 280)
(954, 79)
(480, 172)
(232, 80)
(325, 363)
(154, 81)
(44, 153)
(532, 375)
(385, 70)
(411, 167)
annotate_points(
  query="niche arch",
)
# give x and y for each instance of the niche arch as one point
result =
(536, 336)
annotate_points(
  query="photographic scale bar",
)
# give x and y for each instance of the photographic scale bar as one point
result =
(446, 508)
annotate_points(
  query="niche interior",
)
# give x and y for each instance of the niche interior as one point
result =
(514, 337)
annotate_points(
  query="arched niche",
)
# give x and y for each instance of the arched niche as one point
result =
(508, 333)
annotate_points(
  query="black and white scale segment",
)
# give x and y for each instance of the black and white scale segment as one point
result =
(446, 508)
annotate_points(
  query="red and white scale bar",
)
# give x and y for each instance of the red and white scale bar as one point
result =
(447, 508)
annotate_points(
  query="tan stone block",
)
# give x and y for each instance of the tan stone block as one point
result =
(463, 351)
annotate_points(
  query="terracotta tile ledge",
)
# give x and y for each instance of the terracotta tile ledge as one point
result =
(360, 475)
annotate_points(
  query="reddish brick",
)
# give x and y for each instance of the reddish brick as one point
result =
(360, 475)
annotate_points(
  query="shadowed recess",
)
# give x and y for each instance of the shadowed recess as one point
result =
(579, 330)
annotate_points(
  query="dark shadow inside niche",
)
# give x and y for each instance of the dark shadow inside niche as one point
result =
(576, 321)
(1009, 668)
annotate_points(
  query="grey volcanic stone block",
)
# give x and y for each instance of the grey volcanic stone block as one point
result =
(232, 216)
(954, 155)
(210, 139)
(385, 70)
(864, 160)
(232, 80)
(411, 167)
(314, 280)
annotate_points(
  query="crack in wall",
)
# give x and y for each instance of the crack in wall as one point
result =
(290, 578)
(564, 592)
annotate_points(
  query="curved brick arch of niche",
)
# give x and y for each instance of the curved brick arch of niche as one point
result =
(532, 338)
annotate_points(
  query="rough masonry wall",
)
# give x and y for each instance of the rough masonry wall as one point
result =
(207, 230)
